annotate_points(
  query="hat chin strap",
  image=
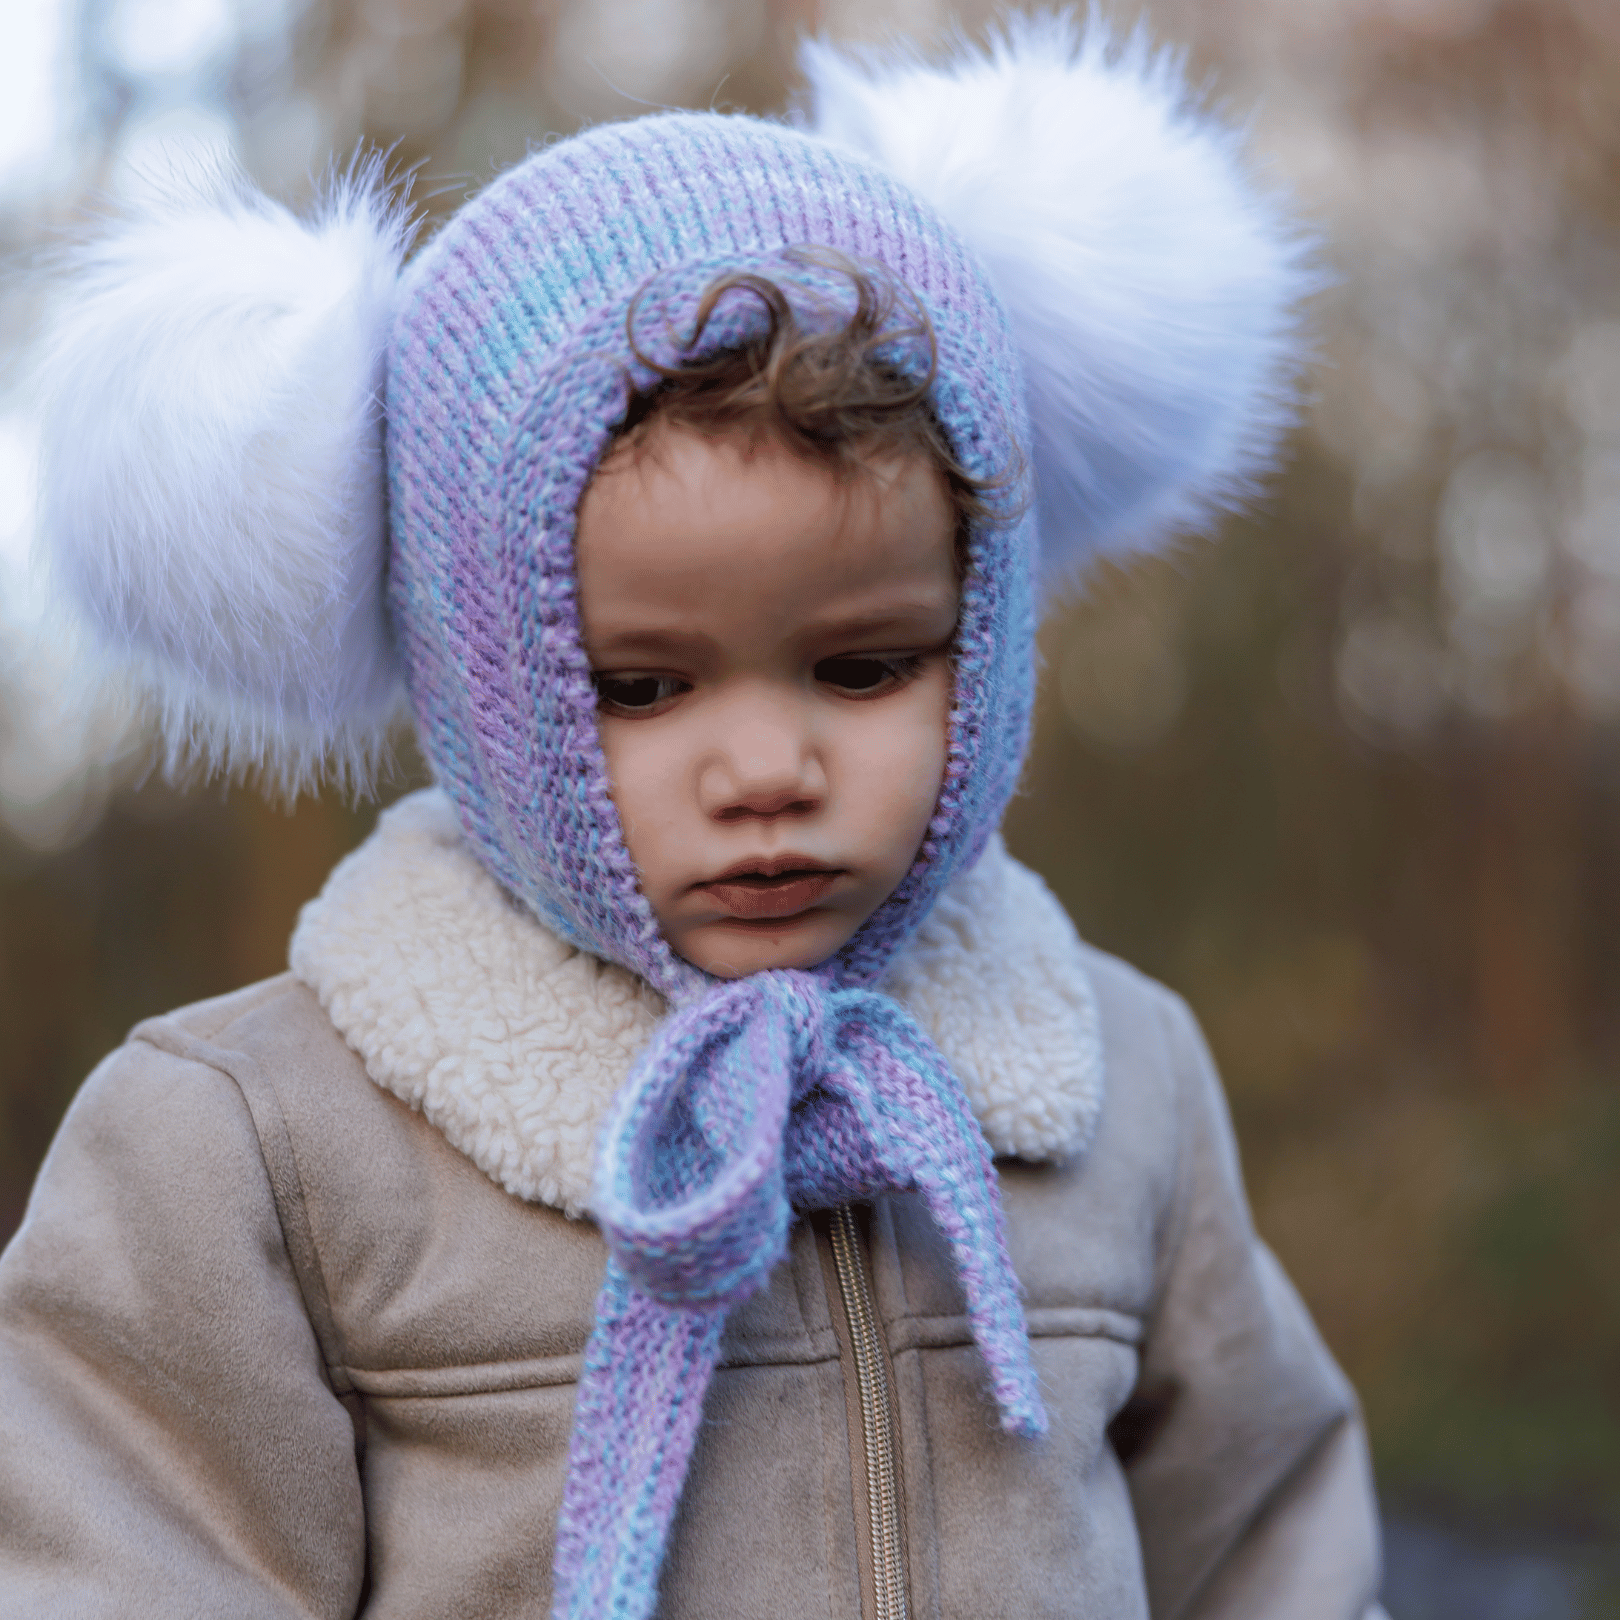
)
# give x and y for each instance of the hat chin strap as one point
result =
(772, 1094)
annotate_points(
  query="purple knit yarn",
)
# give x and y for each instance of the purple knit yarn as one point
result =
(768, 1095)
(509, 370)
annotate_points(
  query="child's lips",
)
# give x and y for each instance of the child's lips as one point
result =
(762, 895)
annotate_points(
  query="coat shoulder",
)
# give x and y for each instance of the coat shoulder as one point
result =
(266, 1019)
(275, 1040)
(1151, 1042)
(340, 1135)
(1132, 995)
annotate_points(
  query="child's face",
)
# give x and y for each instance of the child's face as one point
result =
(771, 646)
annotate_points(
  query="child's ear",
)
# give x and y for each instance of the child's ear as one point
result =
(1151, 283)
(212, 495)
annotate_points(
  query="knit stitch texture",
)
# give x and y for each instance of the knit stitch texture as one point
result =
(770, 1094)
(510, 368)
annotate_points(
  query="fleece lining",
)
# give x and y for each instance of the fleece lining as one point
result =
(512, 1042)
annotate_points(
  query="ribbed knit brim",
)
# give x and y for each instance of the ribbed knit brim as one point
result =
(510, 368)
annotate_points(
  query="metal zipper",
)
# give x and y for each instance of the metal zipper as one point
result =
(877, 1416)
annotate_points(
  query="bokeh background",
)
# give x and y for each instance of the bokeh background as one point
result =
(1349, 778)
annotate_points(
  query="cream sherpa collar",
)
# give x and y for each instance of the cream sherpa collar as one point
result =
(513, 1043)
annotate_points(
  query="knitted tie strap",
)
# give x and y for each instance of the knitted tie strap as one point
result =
(767, 1095)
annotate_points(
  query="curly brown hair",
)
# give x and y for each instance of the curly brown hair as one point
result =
(834, 395)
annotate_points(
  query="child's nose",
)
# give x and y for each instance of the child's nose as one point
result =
(763, 765)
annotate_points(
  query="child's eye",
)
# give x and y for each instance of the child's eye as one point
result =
(867, 675)
(635, 693)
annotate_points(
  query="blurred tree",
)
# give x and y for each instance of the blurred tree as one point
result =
(1349, 779)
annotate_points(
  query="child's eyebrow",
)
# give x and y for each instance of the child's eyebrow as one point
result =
(904, 616)
(907, 622)
(652, 640)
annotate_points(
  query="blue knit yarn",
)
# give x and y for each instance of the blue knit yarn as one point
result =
(510, 369)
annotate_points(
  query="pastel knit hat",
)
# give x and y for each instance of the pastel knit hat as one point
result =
(794, 1090)
(214, 487)
(1112, 305)
(509, 370)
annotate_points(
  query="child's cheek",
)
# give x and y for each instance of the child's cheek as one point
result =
(892, 764)
(881, 761)
(646, 770)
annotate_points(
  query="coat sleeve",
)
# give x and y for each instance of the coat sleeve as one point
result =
(170, 1446)
(1244, 1448)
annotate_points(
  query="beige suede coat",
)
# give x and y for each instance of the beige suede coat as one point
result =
(292, 1324)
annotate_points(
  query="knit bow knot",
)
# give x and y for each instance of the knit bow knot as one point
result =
(767, 1095)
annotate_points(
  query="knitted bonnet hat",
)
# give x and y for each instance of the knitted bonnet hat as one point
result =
(214, 491)
(1112, 304)
(510, 368)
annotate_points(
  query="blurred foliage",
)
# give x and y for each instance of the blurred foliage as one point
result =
(170, 900)
(1349, 779)
(1405, 965)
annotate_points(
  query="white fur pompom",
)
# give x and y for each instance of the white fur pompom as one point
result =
(212, 498)
(1152, 286)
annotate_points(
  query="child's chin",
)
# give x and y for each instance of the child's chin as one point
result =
(732, 949)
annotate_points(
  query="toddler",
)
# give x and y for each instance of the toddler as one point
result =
(690, 1168)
